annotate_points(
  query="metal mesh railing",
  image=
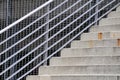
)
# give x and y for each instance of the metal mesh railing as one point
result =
(32, 40)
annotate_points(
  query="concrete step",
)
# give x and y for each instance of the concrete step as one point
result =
(98, 51)
(96, 43)
(93, 69)
(74, 77)
(91, 60)
(118, 9)
(114, 14)
(100, 35)
(107, 28)
(109, 21)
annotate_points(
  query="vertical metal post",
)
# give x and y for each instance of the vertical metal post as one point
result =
(90, 5)
(47, 35)
(96, 9)
(7, 19)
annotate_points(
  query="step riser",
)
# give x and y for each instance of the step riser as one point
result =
(105, 28)
(38, 78)
(74, 78)
(90, 52)
(32, 78)
(114, 14)
(100, 36)
(84, 61)
(95, 43)
(84, 78)
(109, 21)
(80, 70)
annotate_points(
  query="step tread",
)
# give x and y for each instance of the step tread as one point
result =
(78, 75)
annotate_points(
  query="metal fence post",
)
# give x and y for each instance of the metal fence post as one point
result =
(47, 35)
(7, 23)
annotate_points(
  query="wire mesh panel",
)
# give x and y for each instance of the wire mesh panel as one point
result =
(35, 39)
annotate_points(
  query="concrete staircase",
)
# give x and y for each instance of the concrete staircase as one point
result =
(95, 57)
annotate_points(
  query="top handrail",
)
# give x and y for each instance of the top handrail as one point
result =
(26, 16)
